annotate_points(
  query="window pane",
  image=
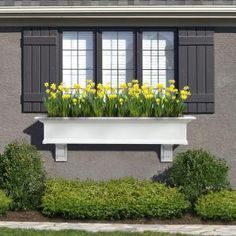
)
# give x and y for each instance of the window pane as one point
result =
(157, 57)
(77, 57)
(117, 57)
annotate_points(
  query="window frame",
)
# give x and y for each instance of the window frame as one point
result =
(137, 47)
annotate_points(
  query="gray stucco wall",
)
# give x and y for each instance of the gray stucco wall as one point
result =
(216, 132)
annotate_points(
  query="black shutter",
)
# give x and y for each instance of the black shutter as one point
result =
(40, 50)
(196, 67)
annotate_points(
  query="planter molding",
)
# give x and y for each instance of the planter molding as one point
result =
(166, 131)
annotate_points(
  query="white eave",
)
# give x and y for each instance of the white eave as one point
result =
(228, 11)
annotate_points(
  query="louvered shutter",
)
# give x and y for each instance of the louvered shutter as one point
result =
(40, 52)
(196, 67)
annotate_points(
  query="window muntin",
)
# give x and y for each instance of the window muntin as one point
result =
(157, 57)
(117, 57)
(77, 57)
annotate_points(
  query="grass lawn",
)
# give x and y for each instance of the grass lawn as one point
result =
(19, 232)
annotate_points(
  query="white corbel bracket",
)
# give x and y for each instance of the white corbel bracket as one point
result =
(166, 153)
(61, 152)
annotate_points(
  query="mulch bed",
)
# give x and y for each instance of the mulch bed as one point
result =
(36, 216)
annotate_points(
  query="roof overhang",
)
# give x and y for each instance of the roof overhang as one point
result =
(119, 11)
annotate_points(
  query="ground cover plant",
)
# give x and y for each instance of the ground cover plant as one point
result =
(217, 205)
(114, 199)
(129, 100)
(21, 175)
(20, 232)
(197, 172)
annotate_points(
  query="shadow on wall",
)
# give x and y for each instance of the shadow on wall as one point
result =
(35, 131)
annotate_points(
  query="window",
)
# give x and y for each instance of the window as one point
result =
(114, 59)
(77, 57)
(117, 57)
(157, 57)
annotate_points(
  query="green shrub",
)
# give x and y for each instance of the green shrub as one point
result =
(4, 203)
(198, 172)
(217, 205)
(115, 199)
(22, 175)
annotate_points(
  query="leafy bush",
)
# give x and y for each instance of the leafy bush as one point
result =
(115, 199)
(4, 203)
(217, 205)
(198, 172)
(22, 175)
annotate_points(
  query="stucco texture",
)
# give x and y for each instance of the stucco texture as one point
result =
(216, 133)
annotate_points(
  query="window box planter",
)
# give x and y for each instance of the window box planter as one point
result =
(166, 131)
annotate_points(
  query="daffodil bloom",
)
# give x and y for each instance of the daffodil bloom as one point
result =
(135, 81)
(149, 96)
(173, 97)
(160, 86)
(186, 87)
(129, 84)
(99, 86)
(53, 95)
(53, 86)
(66, 96)
(171, 81)
(158, 100)
(112, 96)
(47, 91)
(77, 86)
(121, 101)
(123, 86)
(61, 88)
(46, 84)
(74, 101)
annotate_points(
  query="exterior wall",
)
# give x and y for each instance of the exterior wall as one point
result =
(216, 132)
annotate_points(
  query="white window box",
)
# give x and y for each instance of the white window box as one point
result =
(167, 131)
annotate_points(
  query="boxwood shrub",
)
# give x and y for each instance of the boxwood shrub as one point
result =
(4, 203)
(217, 205)
(22, 175)
(197, 172)
(115, 199)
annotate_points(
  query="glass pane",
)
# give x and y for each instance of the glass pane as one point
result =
(85, 40)
(70, 40)
(149, 40)
(166, 40)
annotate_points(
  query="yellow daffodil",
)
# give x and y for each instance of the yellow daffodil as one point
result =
(112, 96)
(158, 101)
(46, 84)
(149, 96)
(74, 101)
(186, 87)
(184, 97)
(123, 86)
(173, 97)
(47, 91)
(61, 88)
(121, 101)
(135, 81)
(77, 86)
(53, 86)
(66, 96)
(160, 86)
(53, 95)
(171, 81)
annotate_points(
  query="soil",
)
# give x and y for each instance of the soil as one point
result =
(36, 216)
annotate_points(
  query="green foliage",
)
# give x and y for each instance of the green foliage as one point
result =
(115, 199)
(21, 175)
(129, 100)
(198, 172)
(4, 203)
(217, 205)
